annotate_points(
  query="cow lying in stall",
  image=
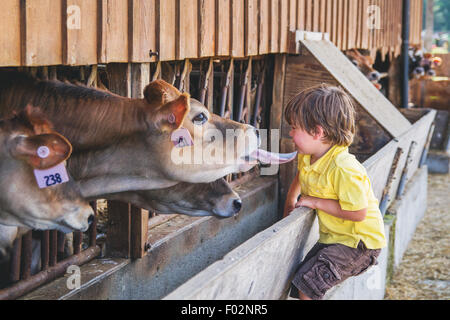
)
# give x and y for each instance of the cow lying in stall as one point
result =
(22, 202)
(422, 64)
(365, 65)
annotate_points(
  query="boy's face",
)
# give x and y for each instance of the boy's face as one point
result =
(305, 142)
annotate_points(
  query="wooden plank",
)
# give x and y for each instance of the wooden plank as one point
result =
(340, 24)
(187, 29)
(264, 26)
(301, 14)
(308, 15)
(334, 22)
(274, 27)
(80, 45)
(315, 15)
(358, 86)
(138, 232)
(328, 16)
(223, 28)
(322, 15)
(42, 18)
(207, 27)
(166, 29)
(251, 27)
(143, 31)
(140, 78)
(293, 15)
(352, 20)
(237, 28)
(119, 75)
(117, 31)
(10, 40)
(118, 244)
(345, 25)
(283, 25)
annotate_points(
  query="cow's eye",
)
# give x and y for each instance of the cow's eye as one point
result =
(355, 62)
(201, 118)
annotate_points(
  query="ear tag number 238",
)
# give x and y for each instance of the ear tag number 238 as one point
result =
(51, 176)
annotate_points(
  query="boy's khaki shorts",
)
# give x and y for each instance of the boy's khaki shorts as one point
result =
(327, 265)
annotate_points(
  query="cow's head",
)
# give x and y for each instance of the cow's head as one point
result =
(219, 146)
(365, 65)
(194, 199)
(28, 143)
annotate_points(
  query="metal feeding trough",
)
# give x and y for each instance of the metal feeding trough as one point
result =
(390, 143)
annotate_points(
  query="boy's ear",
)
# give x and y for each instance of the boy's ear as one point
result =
(318, 133)
(41, 151)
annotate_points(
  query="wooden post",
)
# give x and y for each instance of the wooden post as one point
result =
(118, 242)
(276, 115)
(120, 78)
(140, 78)
(139, 232)
(394, 73)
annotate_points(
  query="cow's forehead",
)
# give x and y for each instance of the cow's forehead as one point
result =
(198, 107)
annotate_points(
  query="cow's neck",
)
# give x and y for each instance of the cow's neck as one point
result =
(85, 116)
(113, 169)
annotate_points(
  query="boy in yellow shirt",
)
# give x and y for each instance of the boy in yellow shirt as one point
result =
(331, 181)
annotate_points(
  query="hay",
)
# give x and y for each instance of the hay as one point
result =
(424, 272)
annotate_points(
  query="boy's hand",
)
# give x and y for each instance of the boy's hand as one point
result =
(306, 201)
(288, 207)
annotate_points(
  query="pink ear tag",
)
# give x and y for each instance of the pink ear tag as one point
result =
(171, 118)
(181, 138)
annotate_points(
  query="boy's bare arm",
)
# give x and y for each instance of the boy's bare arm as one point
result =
(292, 195)
(332, 207)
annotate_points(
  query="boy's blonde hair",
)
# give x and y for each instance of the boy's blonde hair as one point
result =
(326, 106)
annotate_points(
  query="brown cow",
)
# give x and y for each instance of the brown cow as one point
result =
(193, 199)
(22, 202)
(123, 144)
(365, 65)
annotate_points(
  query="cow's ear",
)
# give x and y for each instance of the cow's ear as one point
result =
(41, 151)
(172, 114)
(159, 92)
(37, 119)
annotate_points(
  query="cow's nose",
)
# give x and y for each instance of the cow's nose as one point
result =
(237, 205)
(91, 219)
(375, 75)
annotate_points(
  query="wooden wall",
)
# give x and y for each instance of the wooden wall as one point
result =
(84, 32)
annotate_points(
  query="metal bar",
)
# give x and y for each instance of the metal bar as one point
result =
(385, 197)
(225, 90)
(77, 240)
(93, 227)
(403, 179)
(405, 55)
(14, 266)
(27, 251)
(423, 157)
(45, 249)
(61, 239)
(257, 108)
(204, 82)
(48, 275)
(53, 247)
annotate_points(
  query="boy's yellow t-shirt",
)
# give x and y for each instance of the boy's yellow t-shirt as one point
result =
(338, 175)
